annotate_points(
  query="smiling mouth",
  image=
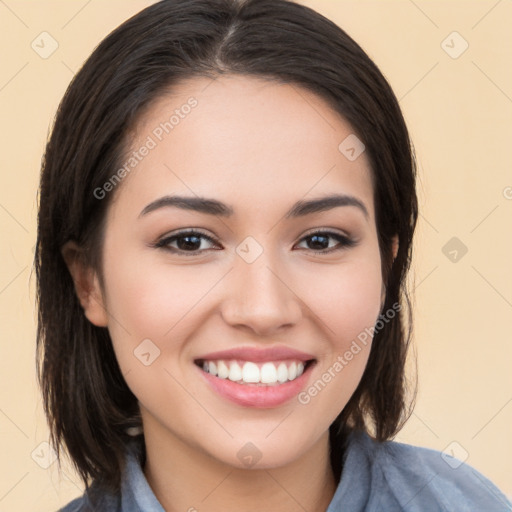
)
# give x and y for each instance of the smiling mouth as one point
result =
(249, 373)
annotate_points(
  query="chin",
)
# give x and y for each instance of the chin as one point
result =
(264, 451)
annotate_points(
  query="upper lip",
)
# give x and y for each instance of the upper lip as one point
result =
(259, 354)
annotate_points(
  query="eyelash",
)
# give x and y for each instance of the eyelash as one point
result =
(345, 242)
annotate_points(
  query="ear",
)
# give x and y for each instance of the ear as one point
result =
(394, 245)
(87, 285)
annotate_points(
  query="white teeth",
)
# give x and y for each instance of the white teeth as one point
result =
(252, 373)
(268, 373)
(282, 373)
(223, 370)
(292, 371)
(235, 372)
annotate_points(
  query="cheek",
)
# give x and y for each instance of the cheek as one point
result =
(146, 296)
(346, 298)
(155, 302)
(348, 306)
(150, 308)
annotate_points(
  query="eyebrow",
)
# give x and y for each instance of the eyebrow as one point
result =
(215, 207)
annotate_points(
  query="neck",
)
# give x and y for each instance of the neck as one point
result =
(185, 478)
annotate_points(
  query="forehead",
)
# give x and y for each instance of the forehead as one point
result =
(259, 141)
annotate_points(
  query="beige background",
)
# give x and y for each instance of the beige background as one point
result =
(459, 112)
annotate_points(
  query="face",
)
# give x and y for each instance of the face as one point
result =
(232, 310)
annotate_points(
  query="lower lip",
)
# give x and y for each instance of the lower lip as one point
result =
(262, 397)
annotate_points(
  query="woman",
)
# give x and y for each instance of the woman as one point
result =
(227, 208)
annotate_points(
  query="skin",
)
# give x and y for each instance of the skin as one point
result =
(258, 146)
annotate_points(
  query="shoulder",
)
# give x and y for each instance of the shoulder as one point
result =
(95, 501)
(421, 478)
(133, 488)
(77, 505)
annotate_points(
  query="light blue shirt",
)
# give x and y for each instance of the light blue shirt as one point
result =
(376, 477)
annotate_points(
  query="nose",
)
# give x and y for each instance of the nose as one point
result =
(260, 298)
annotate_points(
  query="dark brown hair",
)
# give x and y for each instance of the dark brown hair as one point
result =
(86, 399)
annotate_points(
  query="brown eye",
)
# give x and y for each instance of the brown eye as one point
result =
(191, 242)
(321, 242)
